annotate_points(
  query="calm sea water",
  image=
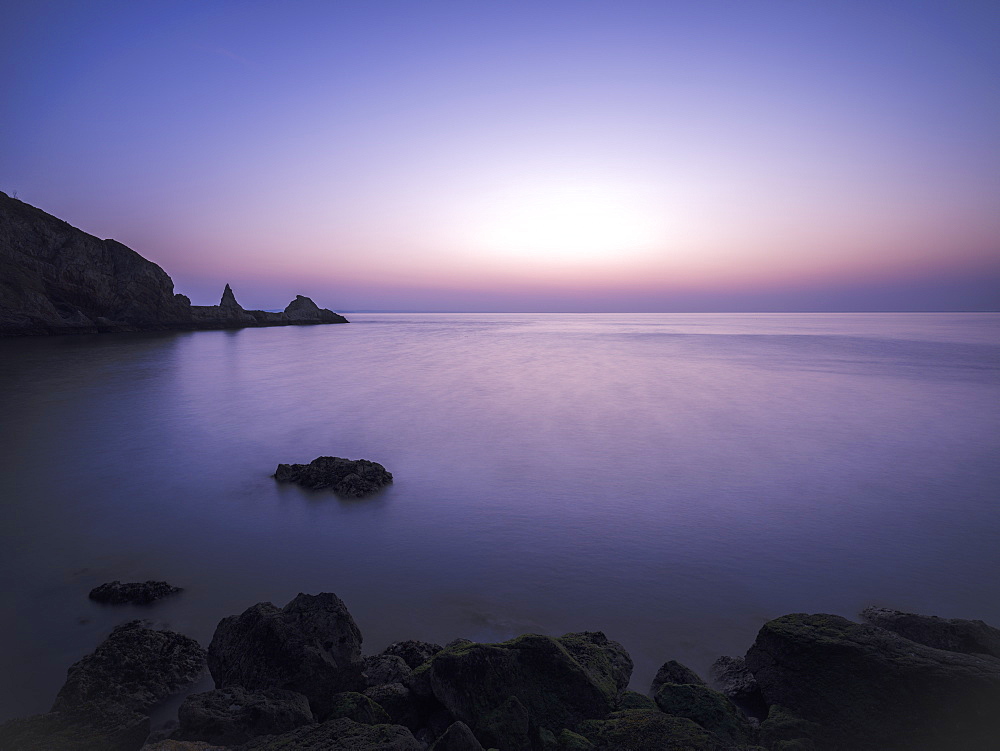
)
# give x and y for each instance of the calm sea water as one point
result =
(672, 480)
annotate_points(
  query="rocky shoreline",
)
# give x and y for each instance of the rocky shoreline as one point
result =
(295, 678)
(57, 279)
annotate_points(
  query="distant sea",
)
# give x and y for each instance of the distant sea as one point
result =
(672, 480)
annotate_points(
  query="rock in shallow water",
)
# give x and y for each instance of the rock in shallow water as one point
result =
(348, 477)
(311, 646)
(132, 593)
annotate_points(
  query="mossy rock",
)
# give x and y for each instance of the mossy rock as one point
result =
(570, 741)
(649, 730)
(557, 683)
(357, 707)
(635, 700)
(785, 731)
(710, 709)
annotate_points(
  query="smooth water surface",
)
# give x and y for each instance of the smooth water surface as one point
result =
(672, 480)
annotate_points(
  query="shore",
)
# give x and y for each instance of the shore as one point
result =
(296, 678)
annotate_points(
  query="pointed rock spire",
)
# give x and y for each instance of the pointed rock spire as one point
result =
(229, 299)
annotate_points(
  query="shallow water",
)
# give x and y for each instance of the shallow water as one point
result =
(672, 480)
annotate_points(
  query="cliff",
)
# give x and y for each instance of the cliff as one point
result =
(57, 279)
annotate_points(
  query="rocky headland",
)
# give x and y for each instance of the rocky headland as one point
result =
(57, 279)
(295, 678)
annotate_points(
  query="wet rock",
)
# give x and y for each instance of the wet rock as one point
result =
(234, 715)
(132, 593)
(84, 727)
(554, 684)
(311, 646)
(457, 737)
(673, 672)
(867, 688)
(385, 668)
(357, 707)
(338, 735)
(416, 653)
(135, 668)
(735, 680)
(710, 709)
(953, 635)
(648, 730)
(346, 477)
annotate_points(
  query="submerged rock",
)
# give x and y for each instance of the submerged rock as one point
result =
(355, 478)
(234, 715)
(869, 689)
(135, 668)
(132, 593)
(311, 646)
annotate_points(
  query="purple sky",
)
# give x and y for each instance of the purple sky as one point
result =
(525, 156)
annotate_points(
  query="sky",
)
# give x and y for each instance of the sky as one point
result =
(585, 155)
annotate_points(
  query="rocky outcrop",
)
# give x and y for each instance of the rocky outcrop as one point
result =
(867, 688)
(57, 279)
(734, 679)
(311, 646)
(132, 593)
(233, 715)
(107, 694)
(353, 478)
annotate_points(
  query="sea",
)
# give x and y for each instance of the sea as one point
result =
(673, 480)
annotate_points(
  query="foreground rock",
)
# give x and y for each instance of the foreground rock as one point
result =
(132, 593)
(511, 693)
(867, 688)
(311, 646)
(339, 735)
(954, 635)
(231, 716)
(352, 478)
(107, 694)
(56, 279)
(135, 667)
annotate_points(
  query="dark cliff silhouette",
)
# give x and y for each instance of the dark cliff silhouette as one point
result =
(57, 279)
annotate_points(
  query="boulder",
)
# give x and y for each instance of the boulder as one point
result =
(402, 706)
(311, 646)
(338, 735)
(457, 737)
(648, 730)
(635, 700)
(415, 653)
(507, 692)
(304, 310)
(784, 731)
(234, 715)
(84, 727)
(134, 668)
(132, 593)
(354, 478)
(867, 688)
(357, 707)
(954, 634)
(673, 672)
(735, 680)
(710, 709)
(383, 668)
